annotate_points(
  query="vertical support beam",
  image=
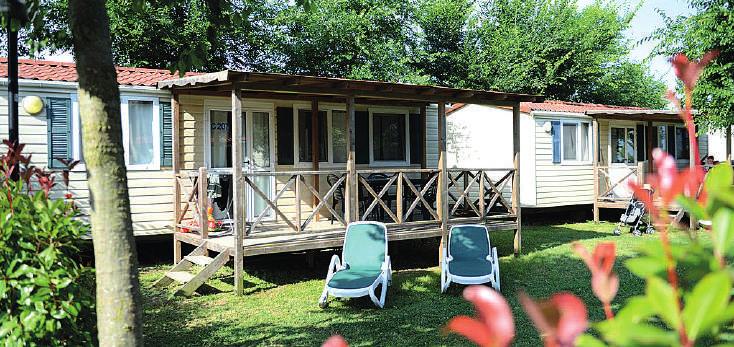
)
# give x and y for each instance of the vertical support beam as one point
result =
(399, 198)
(728, 144)
(352, 182)
(298, 202)
(424, 123)
(175, 114)
(595, 150)
(640, 173)
(442, 196)
(238, 198)
(315, 152)
(648, 146)
(516, 177)
(692, 222)
(203, 204)
(482, 201)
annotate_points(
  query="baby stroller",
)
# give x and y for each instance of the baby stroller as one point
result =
(636, 217)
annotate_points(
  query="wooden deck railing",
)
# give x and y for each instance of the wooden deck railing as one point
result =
(400, 196)
(295, 182)
(605, 185)
(480, 193)
(407, 188)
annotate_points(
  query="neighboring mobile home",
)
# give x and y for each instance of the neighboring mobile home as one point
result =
(559, 144)
(146, 120)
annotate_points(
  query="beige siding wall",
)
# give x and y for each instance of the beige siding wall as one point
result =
(193, 146)
(559, 184)
(151, 200)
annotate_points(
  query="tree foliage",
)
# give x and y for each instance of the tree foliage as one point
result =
(531, 46)
(708, 28)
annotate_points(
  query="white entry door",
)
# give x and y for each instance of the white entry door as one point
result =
(259, 157)
(623, 159)
(258, 147)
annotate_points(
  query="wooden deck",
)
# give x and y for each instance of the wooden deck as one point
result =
(274, 238)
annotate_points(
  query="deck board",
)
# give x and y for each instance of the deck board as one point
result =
(322, 234)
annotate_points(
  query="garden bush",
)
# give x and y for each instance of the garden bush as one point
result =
(46, 294)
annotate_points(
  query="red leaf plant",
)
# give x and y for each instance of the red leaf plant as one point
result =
(335, 341)
(604, 282)
(559, 319)
(493, 326)
(668, 183)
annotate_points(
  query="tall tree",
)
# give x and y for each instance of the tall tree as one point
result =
(363, 39)
(708, 28)
(552, 48)
(442, 36)
(118, 292)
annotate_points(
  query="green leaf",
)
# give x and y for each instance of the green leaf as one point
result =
(723, 231)
(692, 206)
(635, 310)
(720, 177)
(661, 298)
(645, 267)
(706, 303)
(589, 341)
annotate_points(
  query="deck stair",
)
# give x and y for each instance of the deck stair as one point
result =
(190, 281)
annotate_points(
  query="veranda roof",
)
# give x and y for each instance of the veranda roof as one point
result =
(260, 84)
(644, 115)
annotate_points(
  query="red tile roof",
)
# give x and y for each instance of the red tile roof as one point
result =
(44, 70)
(571, 107)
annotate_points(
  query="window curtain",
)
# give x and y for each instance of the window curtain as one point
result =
(339, 136)
(388, 137)
(140, 138)
(569, 141)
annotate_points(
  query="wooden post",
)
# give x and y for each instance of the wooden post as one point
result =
(399, 198)
(595, 150)
(298, 202)
(423, 122)
(442, 200)
(238, 198)
(516, 177)
(352, 206)
(203, 204)
(315, 152)
(692, 222)
(640, 173)
(648, 146)
(175, 112)
(728, 144)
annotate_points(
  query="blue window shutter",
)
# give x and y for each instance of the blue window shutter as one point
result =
(166, 134)
(58, 114)
(556, 133)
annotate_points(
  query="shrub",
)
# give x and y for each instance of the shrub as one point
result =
(45, 293)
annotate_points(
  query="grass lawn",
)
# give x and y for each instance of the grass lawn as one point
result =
(280, 305)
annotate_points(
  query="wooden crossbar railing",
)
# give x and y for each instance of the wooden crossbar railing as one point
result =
(480, 193)
(303, 192)
(606, 186)
(383, 192)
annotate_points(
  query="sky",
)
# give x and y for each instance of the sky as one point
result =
(642, 25)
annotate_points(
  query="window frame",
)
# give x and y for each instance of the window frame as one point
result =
(589, 144)
(626, 128)
(677, 149)
(406, 117)
(76, 132)
(125, 116)
(329, 163)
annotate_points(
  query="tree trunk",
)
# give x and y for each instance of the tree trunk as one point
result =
(118, 288)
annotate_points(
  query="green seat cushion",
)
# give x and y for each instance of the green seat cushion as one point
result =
(470, 268)
(353, 278)
(364, 247)
(469, 243)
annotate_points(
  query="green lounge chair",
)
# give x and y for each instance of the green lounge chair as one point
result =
(365, 265)
(470, 258)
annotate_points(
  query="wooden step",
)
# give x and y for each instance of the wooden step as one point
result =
(180, 276)
(201, 260)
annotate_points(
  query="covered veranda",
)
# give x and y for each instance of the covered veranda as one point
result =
(307, 206)
(648, 129)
